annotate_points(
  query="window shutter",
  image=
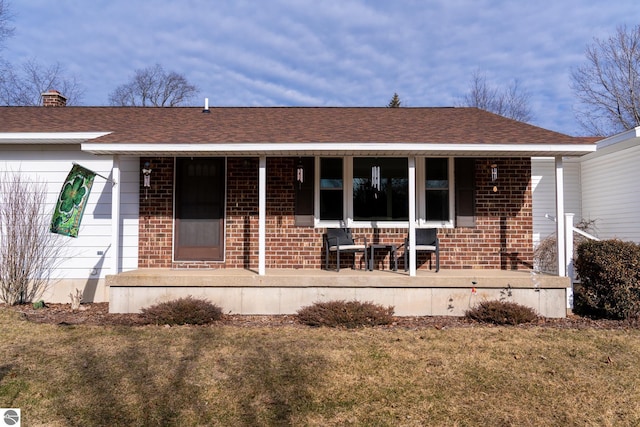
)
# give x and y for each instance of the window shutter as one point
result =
(465, 182)
(304, 193)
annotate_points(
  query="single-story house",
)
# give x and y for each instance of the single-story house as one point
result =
(232, 203)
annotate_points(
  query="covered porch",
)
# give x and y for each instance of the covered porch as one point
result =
(283, 291)
(464, 172)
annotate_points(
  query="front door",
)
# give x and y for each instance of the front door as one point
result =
(200, 196)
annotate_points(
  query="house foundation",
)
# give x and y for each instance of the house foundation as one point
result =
(447, 293)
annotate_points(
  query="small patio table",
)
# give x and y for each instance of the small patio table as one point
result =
(386, 247)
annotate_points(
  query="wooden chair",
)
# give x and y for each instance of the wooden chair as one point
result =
(341, 240)
(426, 241)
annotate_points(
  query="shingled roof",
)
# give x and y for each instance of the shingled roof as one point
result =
(280, 125)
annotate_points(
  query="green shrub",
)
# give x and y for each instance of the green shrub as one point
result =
(349, 314)
(501, 313)
(609, 272)
(183, 311)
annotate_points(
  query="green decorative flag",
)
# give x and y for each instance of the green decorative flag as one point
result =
(72, 201)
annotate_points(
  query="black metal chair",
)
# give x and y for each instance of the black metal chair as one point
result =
(426, 241)
(340, 240)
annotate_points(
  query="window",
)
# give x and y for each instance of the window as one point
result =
(437, 189)
(389, 201)
(348, 193)
(331, 189)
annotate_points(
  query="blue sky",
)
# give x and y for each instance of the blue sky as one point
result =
(323, 52)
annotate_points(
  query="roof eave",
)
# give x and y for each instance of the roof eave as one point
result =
(342, 149)
(49, 137)
(617, 143)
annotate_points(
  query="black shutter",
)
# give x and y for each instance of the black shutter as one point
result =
(465, 183)
(304, 193)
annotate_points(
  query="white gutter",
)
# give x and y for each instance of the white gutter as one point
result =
(623, 136)
(332, 147)
(619, 142)
(48, 137)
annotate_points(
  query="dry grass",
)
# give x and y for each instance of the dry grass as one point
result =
(292, 375)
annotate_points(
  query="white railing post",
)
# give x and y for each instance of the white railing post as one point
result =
(568, 244)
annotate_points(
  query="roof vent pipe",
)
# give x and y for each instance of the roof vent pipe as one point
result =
(206, 106)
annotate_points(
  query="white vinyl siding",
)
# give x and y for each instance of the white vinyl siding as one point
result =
(544, 194)
(88, 255)
(610, 193)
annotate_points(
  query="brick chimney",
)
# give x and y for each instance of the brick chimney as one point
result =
(53, 98)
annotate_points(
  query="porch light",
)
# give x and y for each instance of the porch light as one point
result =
(146, 177)
(494, 176)
(300, 173)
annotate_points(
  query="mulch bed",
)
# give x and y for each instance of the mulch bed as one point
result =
(97, 314)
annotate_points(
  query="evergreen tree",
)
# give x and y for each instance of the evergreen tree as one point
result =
(395, 101)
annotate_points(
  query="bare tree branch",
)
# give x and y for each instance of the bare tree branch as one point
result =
(25, 86)
(152, 86)
(28, 252)
(6, 30)
(607, 85)
(512, 102)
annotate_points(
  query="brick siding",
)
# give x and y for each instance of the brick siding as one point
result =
(155, 227)
(502, 237)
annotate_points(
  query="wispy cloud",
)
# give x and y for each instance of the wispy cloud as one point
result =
(334, 52)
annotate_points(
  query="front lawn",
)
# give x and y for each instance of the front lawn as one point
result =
(226, 375)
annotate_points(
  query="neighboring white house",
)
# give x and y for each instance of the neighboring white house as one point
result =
(601, 186)
(610, 180)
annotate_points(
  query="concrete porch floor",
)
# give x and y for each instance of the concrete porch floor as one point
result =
(331, 278)
(284, 291)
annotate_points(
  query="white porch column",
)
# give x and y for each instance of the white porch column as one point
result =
(115, 216)
(262, 215)
(560, 225)
(412, 216)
